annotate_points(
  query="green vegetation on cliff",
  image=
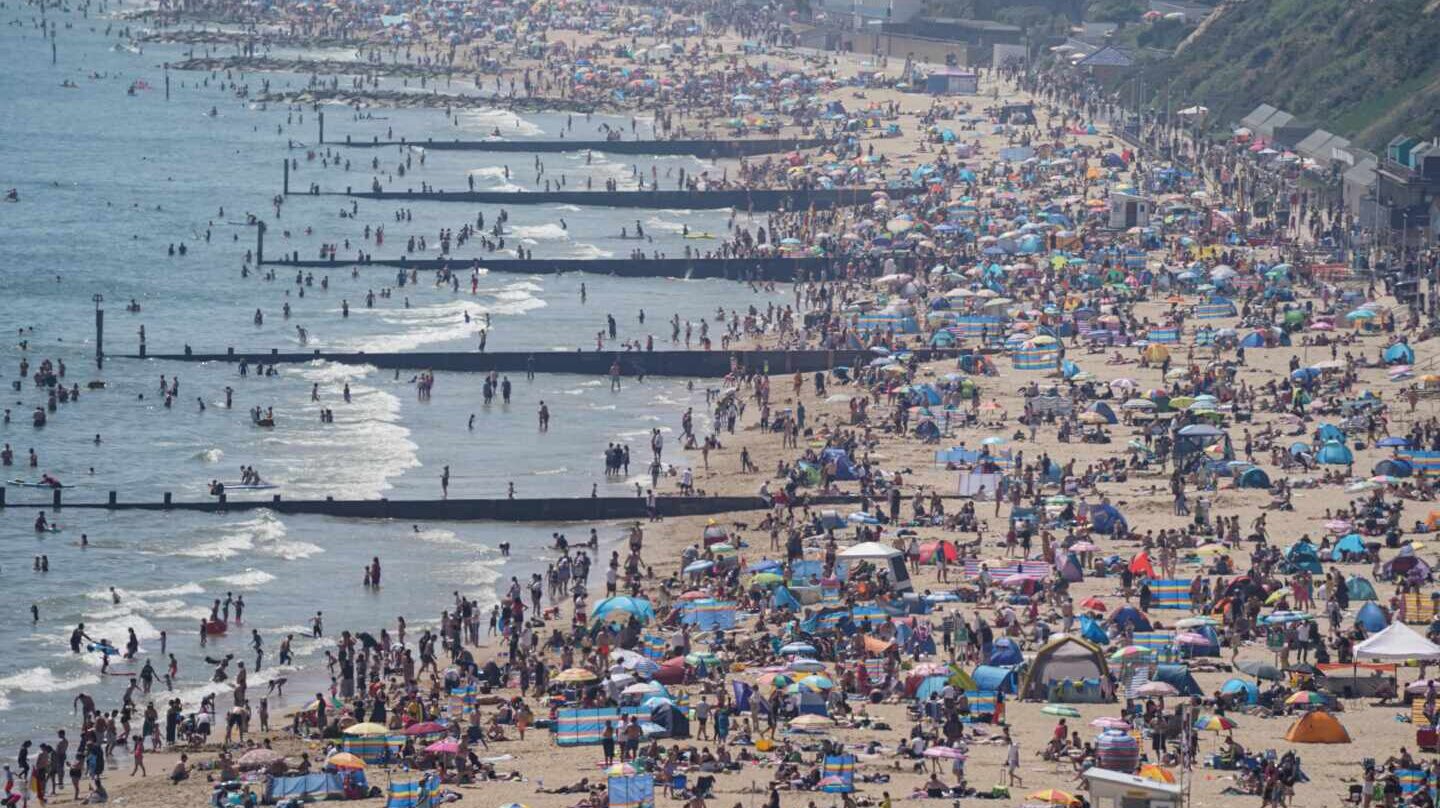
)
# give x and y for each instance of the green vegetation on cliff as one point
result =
(1367, 69)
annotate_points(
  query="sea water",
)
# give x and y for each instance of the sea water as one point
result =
(108, 181)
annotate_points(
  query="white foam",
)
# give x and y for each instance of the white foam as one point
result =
(209, 456)
(569, 208)
(249, 579)
(508, 122)
(44, 680)
(550, 231)
(550, 472)
(590, 252)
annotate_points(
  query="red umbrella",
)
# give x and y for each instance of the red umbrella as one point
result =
(424, 728)
(1093, 604)
(449, 746)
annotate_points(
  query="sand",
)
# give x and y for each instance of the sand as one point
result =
(1144, 498)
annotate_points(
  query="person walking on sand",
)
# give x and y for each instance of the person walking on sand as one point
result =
(1012, 761)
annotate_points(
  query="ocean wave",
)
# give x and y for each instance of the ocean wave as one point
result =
(44, 680)
(249, 579)
(508, 122)
(209, 456)
(550, 231)
(590, 252)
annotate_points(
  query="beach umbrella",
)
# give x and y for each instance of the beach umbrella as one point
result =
(945, 752)
(803, 665)
(698, 566)
(766, 579)
(1260, 670)
(423, 728)
(1062, 710)
(514, 805)
(1157, 689)
(345, 760)
(812, 721)
(624, 604)
(445, 746)
(1196, 622)
(575, 676)
(1054, 796)
(1131, 653)
(993, 440)
(797, 648)
(259, 759)
(367, 728)
(1109, 722)
(816, 682)
(1093, 604)
(1215, 723)
(1309, 698)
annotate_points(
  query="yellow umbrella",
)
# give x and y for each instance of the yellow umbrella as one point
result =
(368, 728)
(576, 675)
(345, 760)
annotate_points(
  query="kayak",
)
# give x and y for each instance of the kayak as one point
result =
(699, 235)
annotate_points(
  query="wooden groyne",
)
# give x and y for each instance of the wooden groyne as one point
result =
(554, 509)
(755, 199)
(741, 269)
(697, 364)
(713, 149)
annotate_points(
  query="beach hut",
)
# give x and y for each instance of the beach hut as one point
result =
(1066, 669)
(1317, 726)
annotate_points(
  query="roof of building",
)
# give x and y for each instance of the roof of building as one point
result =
(1108, 56)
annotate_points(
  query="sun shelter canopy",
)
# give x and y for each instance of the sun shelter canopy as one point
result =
(1398, 641)
(869, 549)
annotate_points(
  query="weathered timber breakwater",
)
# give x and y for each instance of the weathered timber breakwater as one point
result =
(431, 97)
(695, 148)
(321, 66)
(740, 269)
(698, 364)
(752, 199)
(555, 509)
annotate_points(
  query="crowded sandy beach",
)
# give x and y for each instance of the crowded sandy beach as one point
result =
(1124, 499)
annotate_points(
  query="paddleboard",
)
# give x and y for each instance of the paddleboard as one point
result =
(249, 486)
(24, 484)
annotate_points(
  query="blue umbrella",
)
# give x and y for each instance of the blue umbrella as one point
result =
(797, 648)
